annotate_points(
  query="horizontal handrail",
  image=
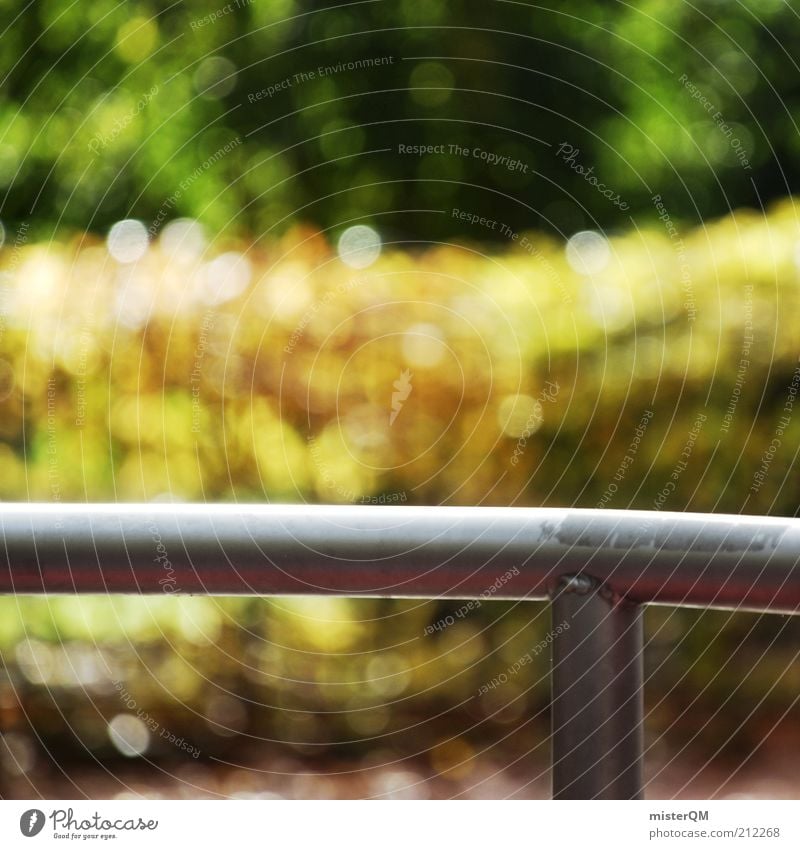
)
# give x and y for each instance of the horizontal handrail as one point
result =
(705, 560)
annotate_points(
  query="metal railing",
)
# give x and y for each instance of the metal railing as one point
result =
(597, 567)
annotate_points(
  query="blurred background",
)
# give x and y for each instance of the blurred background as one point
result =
(475, 253)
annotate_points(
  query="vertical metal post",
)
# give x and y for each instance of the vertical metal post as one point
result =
(597, 704)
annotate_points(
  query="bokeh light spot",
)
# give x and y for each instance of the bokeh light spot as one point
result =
(519, 415)
(127, 240)
(227, 276)
(129, 735)
(215, 77)
(359, 246)
(588, 252)
(136, 39)
(431, 84)
(183, 238)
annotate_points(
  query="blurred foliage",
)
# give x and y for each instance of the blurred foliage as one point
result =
(252, 372)
(265, 372)
(106, 109)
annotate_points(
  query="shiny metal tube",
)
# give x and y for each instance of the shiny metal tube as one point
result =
(670, 558)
